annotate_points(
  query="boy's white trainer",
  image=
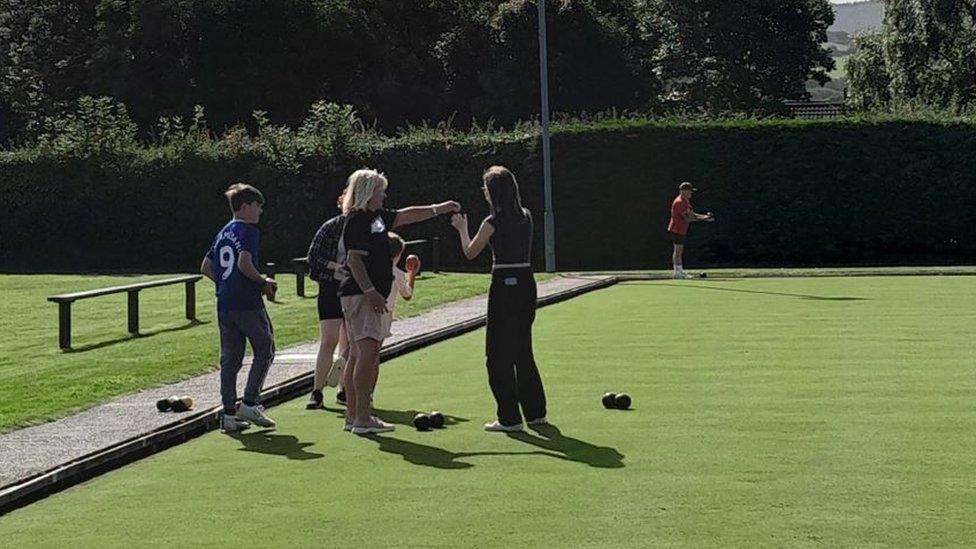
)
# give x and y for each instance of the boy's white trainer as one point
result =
(496, 426)
(255, 414)
(538, 421)
(231, 424)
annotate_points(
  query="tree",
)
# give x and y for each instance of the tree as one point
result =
(491, 66)
(869, 81)
(404, 61)
(43, 52)
(924, 53)
(741, 56)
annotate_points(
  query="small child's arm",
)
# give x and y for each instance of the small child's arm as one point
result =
(405, 285)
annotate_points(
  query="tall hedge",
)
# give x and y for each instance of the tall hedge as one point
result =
(848, 191)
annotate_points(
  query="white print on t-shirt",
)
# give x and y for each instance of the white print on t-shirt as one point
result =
(226, 258)
(225, 255)
(377, 226)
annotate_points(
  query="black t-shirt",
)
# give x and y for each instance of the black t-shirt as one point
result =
(367, 232)
(511, 243)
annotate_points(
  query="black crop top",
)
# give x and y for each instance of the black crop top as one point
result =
(511, 243)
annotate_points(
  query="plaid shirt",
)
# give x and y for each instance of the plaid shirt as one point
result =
(325, 248)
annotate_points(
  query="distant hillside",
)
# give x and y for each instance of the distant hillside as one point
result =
(851, 18)
(854, 17)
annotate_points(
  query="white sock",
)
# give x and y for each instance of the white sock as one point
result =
(678, 269)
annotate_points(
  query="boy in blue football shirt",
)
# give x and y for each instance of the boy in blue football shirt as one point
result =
(232, 264)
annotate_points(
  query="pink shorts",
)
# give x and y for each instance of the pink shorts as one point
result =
(362, 322)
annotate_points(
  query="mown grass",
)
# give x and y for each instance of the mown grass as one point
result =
(767, 413)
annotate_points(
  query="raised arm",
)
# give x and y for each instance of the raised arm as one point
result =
(406, 288)
(416, 214)
(471, 248)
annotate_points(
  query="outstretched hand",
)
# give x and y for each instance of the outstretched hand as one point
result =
(460, 222)
(451, 206)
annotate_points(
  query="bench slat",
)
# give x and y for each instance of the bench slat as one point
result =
(67, 298)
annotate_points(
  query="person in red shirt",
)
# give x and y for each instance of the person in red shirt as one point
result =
(682, 215)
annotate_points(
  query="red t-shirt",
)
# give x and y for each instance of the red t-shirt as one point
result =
(679, 207)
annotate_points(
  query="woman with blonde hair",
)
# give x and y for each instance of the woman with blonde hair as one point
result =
(364, 292)
(512, 372)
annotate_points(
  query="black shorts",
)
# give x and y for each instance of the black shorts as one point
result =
(330, 308)
(676, 238)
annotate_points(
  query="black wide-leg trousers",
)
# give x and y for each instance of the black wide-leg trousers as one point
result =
(512, 373)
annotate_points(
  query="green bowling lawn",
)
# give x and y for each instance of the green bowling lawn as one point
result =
(767, 412)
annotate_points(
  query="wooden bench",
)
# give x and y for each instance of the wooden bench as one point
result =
(64, 302)
(300, 264)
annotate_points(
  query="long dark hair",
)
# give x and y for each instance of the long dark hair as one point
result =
(504, 192)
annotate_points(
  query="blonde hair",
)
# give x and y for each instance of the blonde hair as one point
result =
(360, 188)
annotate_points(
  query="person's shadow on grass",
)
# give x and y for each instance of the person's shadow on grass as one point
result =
(405, 417)
(420, 454)
(399, 417)
(265, 442)
(559, 445)
(745, 291)
(431, 456)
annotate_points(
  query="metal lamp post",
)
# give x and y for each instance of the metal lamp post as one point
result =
(550, 224)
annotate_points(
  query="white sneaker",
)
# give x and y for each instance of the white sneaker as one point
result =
(495, 426)
(681, 275)
(255, 414)
(348, 426)
(376, 426)
(538, 421)
(335, 373)
(230, 424)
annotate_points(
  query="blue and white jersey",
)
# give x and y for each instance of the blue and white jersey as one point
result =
(236, 292)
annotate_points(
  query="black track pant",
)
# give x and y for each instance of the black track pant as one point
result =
(512, 373)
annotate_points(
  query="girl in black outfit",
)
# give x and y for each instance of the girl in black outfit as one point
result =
(512, 372)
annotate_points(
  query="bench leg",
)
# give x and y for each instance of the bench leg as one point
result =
(191, 300)
(134, 312)
(64, 325)
(300, 282)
